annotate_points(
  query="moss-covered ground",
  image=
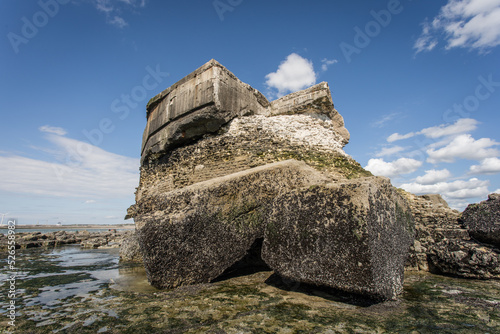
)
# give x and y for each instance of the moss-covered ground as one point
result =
(74, 291)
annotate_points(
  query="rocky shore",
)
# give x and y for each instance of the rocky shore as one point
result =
(105, 239)
(452, 243)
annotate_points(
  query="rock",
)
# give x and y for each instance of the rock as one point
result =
(315, 100)
(483, 220)
(352, 235)
(434, 222)
(210, 97)
(130, 250)
(193, 234)
(464, 259)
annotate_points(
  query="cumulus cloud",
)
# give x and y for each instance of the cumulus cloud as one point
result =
(396, 136)
(327, 62)
(78, 170)
(392, 169)
(52, 129)
(473, 24)
(459, 189)
(385, 151)
(433, 176)
(293, 74)
(487, 166)
(464, 147)
(461, 126)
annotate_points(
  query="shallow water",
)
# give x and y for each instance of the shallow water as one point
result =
(46, 277)
(74, 290)
(4, 230)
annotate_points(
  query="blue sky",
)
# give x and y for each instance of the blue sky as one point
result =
(417, 82)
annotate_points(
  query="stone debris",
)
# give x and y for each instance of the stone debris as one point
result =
(104, 239)
(449, 243)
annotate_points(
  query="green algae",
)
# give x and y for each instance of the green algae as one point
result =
(247, 304)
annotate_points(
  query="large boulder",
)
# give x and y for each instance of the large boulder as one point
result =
(130, 250)
(483, 220)
(464, 259)
(352, 235)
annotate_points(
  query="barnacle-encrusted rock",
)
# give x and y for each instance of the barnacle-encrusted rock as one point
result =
(483, 220)
(465, 259)
(351, 235)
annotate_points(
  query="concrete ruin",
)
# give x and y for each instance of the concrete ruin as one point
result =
(223, 170)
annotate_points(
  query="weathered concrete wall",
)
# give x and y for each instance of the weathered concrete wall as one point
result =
(198, 104)
(313, 100)
(211, 96)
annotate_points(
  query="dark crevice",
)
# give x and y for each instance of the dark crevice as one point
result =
(251, 263)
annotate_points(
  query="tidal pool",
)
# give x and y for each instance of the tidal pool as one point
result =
(74, 290)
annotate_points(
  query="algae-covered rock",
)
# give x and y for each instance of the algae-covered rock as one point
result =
(464, 259)
(352, 235)
(130, 250)
(193, 234)
(483, 220)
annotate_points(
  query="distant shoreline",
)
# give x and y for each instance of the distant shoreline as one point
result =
(62, 227)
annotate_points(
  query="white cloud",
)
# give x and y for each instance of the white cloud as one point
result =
(426, 42)
(104, 6)
(293, 74)
(462, 125)
(497, 191)
(464, 147)
(487, 166)
(52, 129)
(396, 136)
(389, 151)
(117, 21)
(385, 118)
(459, 189)
(79, 170)
(327, 62)
(90, 201)
(113, 9)
(433, 176)
(473, 24)
(392, 169)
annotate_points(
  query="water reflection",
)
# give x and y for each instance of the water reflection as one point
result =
(49, 277)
